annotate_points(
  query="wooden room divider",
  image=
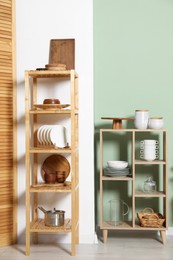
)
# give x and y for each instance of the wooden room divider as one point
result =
(8, 143)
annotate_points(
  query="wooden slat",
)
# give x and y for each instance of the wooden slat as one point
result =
(8, 193)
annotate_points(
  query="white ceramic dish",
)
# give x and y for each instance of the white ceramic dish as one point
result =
(117, 164)
(155, 123)
(58, 136)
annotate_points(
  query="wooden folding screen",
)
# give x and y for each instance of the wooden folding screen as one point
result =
(8, 160)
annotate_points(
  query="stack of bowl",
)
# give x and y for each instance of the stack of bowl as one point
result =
(117, 169)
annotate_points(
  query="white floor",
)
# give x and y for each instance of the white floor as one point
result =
(122, 246)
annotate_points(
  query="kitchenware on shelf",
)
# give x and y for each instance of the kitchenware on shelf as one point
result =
(118, 209)
(51, 106)
(112, 172)
(141, 119)
(54, 163)
(60, 176)
(149, 156)
(58, 136)
(149, 185)
(148, 218)
(155, 123)
(117, 164)
(50, 178)
(51, 101)
(62, 51)
(149, 142)
(53, 218)
(149, 150)
(117, 121)
(52, 135)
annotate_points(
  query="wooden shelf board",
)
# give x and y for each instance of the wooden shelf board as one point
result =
(138, 227)
(148, 195)
(150, 162)
(109, 225)
(127, 226)
(43, 187)
(50, 73)
(104, 178)
(49, 149)
(47, 111)
(39, 226)
(132, 130)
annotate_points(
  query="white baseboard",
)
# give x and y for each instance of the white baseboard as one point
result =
(169, 232)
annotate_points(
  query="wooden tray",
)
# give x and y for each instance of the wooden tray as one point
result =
(51, 106)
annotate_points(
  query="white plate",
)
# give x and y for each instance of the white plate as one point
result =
(58, 136)
(44, 137)
(39, 136)
(48, 134)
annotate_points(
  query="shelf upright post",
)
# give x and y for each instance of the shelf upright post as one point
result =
(133, 178)
(27, 159)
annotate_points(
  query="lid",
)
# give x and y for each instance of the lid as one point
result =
(142, 110)
(150, 181)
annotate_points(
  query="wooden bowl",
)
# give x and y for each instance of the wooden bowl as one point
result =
(51, 101)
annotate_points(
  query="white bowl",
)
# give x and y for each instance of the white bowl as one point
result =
(155, 123)
(117, 164)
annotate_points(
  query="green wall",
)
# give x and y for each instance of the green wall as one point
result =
(133, 67)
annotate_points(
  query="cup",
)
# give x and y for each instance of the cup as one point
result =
(149, 142)
(153, 151)
(149, 157)
(141, 119)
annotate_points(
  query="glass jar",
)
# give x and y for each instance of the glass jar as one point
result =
(149, 185)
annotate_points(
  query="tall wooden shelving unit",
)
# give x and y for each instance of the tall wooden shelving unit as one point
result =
(35, 225)
(134, 135)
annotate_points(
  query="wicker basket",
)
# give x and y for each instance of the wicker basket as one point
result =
(148, 218)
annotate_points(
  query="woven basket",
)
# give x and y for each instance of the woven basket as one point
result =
(148, 218)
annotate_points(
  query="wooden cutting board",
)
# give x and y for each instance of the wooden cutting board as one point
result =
(55, 163)
(62, 51)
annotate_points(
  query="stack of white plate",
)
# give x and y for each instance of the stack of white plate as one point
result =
(52, 135)
(117, 169)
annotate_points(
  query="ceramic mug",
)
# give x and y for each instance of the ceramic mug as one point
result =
(149, 142)
(149, 156)
(145, 151)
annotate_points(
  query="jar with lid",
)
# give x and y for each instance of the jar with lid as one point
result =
(149, 185)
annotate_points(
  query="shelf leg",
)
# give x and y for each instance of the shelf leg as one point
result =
(163, 236)
(105, 235)
(73, 243)
(35, 238)
(27, 244)
(77, 235)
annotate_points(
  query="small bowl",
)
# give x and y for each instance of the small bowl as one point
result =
(119, 165)
(50, 178)
(155, 123)
(51, 101)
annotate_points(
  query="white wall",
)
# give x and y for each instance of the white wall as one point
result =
(38, 21)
